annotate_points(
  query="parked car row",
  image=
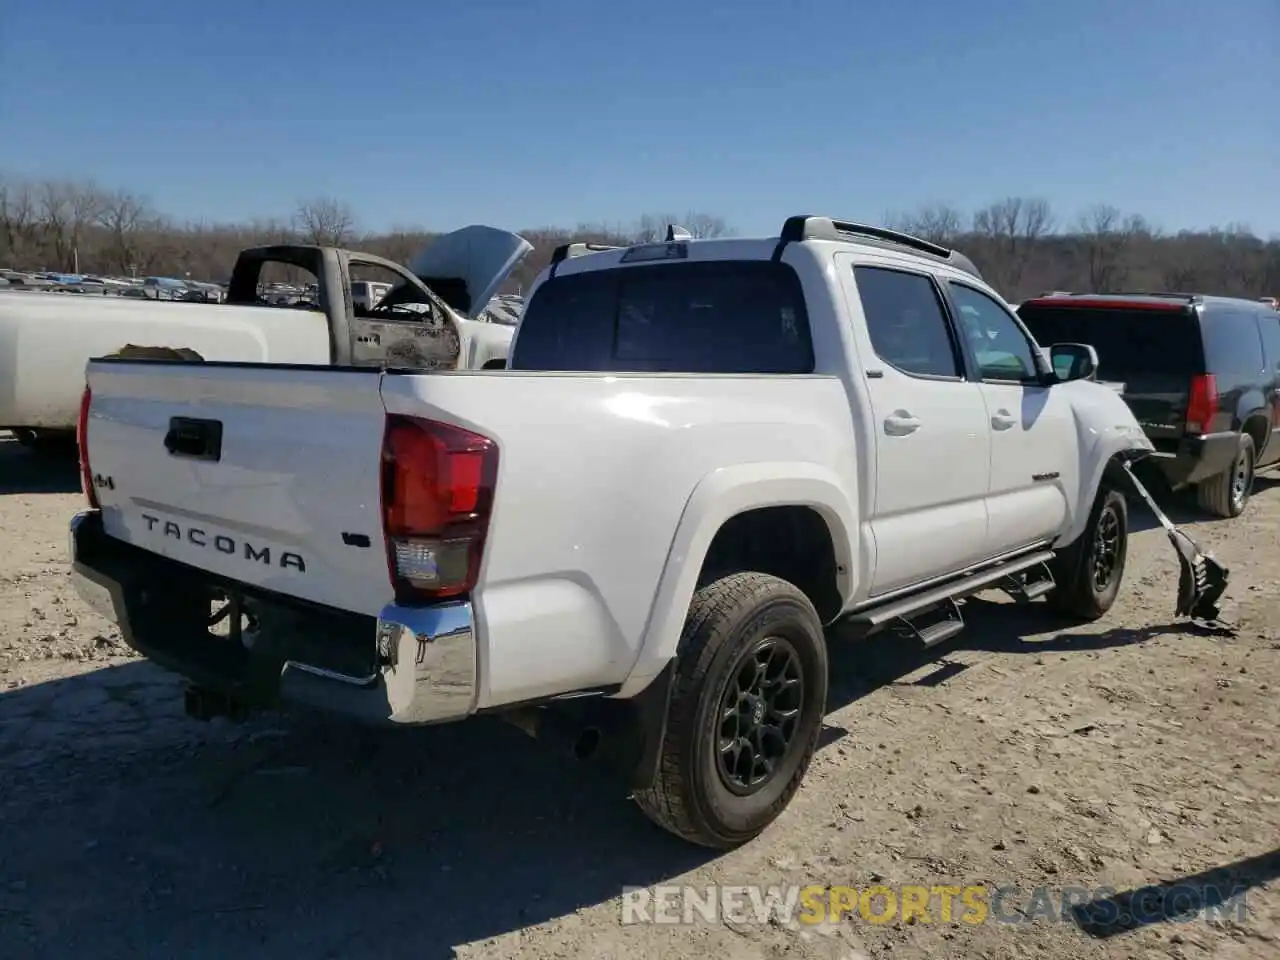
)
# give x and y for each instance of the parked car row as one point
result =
(155, 288)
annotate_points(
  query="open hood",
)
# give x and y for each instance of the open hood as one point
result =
(467, 267)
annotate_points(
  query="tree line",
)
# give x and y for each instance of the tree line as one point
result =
(1021, 244)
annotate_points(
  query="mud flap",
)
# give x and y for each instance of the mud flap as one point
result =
(648, 727)
(1202, 579)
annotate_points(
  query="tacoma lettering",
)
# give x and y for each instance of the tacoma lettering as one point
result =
(224, 544)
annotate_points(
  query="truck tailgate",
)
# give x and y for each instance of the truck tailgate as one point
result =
(222, 467)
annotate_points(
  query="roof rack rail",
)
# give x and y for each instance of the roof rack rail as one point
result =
(805, 227)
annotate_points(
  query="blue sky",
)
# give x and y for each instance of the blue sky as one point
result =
(445, 112)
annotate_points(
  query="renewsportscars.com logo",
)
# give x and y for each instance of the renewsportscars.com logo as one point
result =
(971, 905)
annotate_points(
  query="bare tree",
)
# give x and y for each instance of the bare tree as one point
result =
(51, 225)
(326, 221)
(19, 224)
(67, 209)
(122, 215)
(705, 226)
(1104, 237)
(652, 227)
(1243, 258)
(936, 222)
(1009, 231)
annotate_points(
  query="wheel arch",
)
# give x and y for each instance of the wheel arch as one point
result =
(1258, 428)
(739, 501)
(1103, 466)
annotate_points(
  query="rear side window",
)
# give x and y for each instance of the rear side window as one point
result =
(906, 322)
(1129, 342)
(732, 316)
(1269, 321)
(1232, 341)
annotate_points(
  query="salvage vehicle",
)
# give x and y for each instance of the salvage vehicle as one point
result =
(1201, 374)
(700, 454)
(433, 317)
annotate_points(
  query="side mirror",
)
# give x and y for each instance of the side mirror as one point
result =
(1073, 361)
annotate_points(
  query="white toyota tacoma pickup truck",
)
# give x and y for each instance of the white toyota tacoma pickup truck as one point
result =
(700, 454)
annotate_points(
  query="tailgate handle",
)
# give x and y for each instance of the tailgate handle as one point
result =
(198, 439)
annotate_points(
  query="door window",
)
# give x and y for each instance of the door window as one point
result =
(906, 322)
(1000, 348)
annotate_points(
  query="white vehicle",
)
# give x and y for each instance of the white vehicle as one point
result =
(434, 319)
(700, 454)
(366, 293)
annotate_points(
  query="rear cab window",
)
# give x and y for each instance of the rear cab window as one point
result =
(1132, 342)
(727, 316)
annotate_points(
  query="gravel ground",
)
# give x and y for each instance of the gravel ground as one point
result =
(1131, 752)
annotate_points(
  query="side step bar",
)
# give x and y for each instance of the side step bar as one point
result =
(1031, 587)
(947, 621)
(876, 617)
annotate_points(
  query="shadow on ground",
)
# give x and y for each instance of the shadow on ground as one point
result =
(1182, 509)
(1221, 892)
(23, 471)
(128, 830)
(1179, 507)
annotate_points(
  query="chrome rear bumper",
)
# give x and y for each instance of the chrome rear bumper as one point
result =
(422, 660)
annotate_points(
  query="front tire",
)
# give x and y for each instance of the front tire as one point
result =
(1227, 494)
(1089, 571)
(746, 711)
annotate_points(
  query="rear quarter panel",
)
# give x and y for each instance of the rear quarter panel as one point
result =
(593, 512)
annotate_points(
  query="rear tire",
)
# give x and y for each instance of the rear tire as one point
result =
(1090, 570)
(1227, 494)
(746, 711)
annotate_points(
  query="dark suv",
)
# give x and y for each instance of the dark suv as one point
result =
(1201, 374)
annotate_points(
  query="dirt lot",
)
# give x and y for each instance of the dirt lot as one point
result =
(1129, 753)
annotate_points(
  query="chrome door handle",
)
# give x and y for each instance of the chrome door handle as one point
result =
(1002, 420)
(900, 423)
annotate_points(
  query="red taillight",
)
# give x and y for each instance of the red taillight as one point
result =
(1202, 404)
(82, 446)
(437, 492)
